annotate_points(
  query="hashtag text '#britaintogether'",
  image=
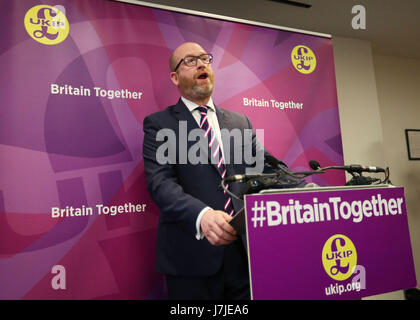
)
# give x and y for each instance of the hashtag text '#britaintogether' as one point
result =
(275, 214)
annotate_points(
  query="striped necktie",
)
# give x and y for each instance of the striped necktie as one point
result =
(216, 153)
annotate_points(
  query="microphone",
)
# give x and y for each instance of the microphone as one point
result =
(351, 168)
(273, 161)
(360, 168)
(314, 165)
(356, 171)
(246, 177)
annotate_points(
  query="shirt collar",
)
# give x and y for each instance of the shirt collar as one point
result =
(192, 105)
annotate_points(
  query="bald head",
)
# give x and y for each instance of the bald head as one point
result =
(182, 51)
(195, 82)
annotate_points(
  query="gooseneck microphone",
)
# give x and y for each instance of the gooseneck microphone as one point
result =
(283, 177)
(314, 165)
(246, 177)
(360, 168)
(260, 181)
(357, 168)
(273, 161)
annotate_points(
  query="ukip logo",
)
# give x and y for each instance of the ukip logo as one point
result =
(303, 59)
(46, 24)
(339, 257)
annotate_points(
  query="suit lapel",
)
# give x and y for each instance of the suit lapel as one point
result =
(221, 118)
(182, 113)
(225, 123)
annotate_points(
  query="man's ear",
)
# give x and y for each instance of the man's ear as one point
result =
(174, 78)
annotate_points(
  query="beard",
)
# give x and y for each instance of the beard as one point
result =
(200, 92)
(195, 90)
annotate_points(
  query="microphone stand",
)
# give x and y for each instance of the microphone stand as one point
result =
(264, 181)
(357, 176)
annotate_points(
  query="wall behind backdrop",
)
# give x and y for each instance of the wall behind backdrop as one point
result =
(77, 79)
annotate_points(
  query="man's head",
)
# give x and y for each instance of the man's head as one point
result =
(195, 83)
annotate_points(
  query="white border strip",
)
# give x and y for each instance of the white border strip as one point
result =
(215, 16)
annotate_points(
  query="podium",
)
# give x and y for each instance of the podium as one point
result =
(328, 243)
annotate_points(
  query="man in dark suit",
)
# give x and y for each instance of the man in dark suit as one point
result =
(199, 252)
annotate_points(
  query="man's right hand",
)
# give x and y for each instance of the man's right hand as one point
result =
(216, 228)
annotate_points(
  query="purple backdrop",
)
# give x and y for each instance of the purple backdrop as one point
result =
(62, 150)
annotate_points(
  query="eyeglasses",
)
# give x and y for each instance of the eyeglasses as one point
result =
(191, 61)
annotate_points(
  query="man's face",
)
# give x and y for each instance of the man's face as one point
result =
(195, 83)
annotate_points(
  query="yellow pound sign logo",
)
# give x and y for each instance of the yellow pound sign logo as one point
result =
(46, 24)
(303, 59)
(339, 257)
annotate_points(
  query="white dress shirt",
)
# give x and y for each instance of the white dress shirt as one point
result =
(214, 124)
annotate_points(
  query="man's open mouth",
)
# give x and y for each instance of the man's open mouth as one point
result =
(203, 75)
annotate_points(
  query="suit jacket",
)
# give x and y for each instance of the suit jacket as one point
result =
(181, 191)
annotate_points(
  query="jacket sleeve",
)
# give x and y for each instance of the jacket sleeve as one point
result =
(175, 205)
